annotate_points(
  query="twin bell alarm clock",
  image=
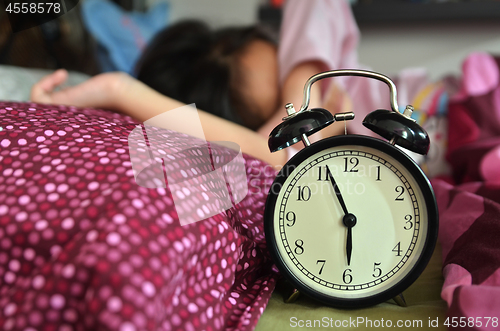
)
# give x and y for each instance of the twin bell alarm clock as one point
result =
(351, 221)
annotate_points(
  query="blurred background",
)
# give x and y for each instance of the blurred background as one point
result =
(98, 35)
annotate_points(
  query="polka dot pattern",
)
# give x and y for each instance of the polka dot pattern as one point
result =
(204, 178)
(83, 247)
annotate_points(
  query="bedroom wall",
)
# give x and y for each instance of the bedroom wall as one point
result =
(440, 47)
(388, 48)
(216, 12)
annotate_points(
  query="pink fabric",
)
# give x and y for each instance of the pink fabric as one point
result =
(480, 75)
(469, 232)
(83, 247)
(469, 208)
(325, 31)
(489, 166)
(475, 121)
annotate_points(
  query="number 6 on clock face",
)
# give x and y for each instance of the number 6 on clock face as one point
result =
(351, 221)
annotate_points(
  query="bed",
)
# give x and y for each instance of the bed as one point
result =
(83, 247)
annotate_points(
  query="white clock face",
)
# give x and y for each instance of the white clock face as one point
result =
(327, 253)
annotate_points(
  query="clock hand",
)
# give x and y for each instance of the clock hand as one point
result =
(337, 191)
(348, 247)
(349, 221)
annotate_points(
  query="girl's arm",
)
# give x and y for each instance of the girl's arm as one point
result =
(122, 93)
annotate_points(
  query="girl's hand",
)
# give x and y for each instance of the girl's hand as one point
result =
(101, 91)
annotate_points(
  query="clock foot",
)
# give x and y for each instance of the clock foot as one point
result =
(292, 296)
(400, 300)
(289, 292)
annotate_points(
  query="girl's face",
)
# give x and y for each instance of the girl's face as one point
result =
(259, 70)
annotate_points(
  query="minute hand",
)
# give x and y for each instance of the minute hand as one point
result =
(337, 191)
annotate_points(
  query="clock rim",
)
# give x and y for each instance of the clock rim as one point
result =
(421, 180)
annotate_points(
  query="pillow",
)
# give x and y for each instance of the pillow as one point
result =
(18, 86)
(83, 246)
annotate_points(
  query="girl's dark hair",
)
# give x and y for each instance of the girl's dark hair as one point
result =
(193, 64)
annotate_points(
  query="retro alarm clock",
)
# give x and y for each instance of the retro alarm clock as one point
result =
(351, 220)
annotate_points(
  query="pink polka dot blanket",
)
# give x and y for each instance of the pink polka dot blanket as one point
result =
(84, 247)
(469, 200)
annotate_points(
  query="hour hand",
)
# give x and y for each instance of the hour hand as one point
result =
(349, 221)
(348, 247)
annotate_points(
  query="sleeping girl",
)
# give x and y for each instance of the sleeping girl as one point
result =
(238, 78)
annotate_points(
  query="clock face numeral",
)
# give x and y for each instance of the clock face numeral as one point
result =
(322, 170)
(397, 249)
(376, 270)
(322, 265)
(290, 217)
(401, 190)
(298, 246)
(409, 223)
(353, 163)
(347, 277)
(304, 193)
(378, 173)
